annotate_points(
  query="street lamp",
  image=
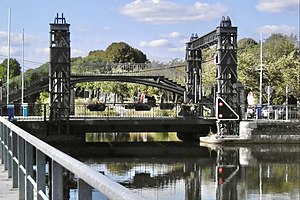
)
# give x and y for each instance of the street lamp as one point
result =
(8, 55)
(260, 78)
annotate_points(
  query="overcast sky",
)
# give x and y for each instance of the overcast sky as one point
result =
(159, 28)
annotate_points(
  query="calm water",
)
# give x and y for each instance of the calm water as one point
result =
(170, 169)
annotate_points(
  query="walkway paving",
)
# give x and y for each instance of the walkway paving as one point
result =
(6, 190)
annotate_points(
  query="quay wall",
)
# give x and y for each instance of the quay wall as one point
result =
(270, 131)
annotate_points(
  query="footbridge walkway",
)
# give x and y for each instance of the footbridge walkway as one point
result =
(169, 77)
(114, 117)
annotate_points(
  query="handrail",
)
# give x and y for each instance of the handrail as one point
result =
(90, 177)
(109, 110)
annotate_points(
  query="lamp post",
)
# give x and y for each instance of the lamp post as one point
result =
(8, 57)
(22, 82)
(23, 105)
(260, 78)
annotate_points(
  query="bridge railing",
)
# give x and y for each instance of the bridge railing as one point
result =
(129, 110)
(274, 112)
(26, 159)
(37, 111)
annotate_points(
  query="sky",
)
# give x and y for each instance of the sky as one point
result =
(159, 28)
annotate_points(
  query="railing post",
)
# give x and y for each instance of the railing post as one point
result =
(84, 190)
(57, 181)
(45, 113)
(22, 171)
(40, 173)
(5, 135)
(15, 165)
(1, 144)
(9, 152)
(29, 170)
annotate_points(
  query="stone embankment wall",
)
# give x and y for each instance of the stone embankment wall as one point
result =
(270, 131)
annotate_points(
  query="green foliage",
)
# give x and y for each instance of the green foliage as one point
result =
(14, 68)
(120, 52)
(43, 98)
(280, 66)
(117, 52)
(208, 70)
(246, 43)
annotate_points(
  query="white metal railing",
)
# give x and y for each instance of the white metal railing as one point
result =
(25, 157)
(38, 112)
(274, 112)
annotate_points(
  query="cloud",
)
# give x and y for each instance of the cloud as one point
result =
(77, 53)
(174, 34)
(278, 5)
(177, 49)
(285, 29)
(166, 12)
(155, 43)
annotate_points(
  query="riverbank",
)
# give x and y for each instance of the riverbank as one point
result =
(260, 131)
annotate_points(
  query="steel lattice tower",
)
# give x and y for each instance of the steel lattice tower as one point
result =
(59, 71)
(225, 38)
(193, 71)
(227, 71)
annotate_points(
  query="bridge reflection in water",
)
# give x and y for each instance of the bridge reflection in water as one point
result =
(181, 170)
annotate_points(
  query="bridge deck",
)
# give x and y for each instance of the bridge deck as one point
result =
(121, 124)
(141, 124)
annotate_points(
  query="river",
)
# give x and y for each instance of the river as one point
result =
(158, 166)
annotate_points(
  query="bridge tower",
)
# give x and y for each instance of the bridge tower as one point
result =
(227, 85)
(225, 38)
(193, 69)
(59, 72)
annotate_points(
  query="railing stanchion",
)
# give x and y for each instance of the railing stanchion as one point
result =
(21, 158)
(84, 190)
(1, 148)
(40, 173)
(5, 135)
(9, 152)
(57, 181)
(45, 113)
(1, 144)
(29, 170)
(15, 165)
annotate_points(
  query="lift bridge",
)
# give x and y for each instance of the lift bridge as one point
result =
(228, 91)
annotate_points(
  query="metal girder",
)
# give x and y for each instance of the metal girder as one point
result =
(59, 71)
(203, 42)
(225, 37)
(155, 81)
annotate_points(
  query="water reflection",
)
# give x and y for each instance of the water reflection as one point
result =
(178, 170)
(131, 137)
(161, 177)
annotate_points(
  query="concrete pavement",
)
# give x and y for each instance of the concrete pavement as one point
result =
(6, 190)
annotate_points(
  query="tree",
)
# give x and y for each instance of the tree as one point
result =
(14, 68)
(117, 52)
(208, 71)
(246, 43)
(120, 52)
(280, 66)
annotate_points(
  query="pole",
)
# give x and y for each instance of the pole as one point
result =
(261, 70)
(287, 102)
(260, 77)
(8, 56)
(22, 95)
